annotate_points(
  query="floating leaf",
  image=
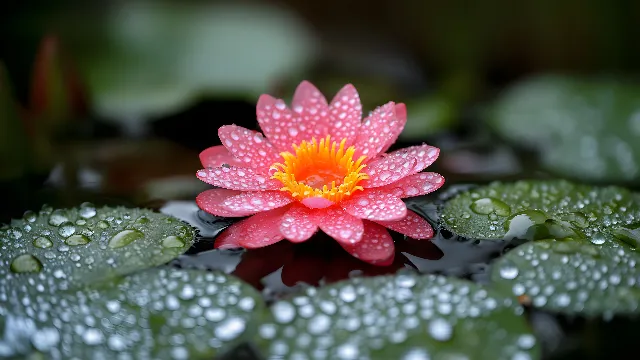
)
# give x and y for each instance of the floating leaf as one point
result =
(399, 317)
(540, 210)
(572, 277)
(156, 314)
(159, 56)
(87, 244)
(583, 128)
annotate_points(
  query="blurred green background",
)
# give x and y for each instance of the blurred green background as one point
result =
(114, 99)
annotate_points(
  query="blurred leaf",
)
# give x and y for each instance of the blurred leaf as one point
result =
(406, 316)
(582, 128)
(159, 56)
(14, 144)
(57, 95)
(428, 116)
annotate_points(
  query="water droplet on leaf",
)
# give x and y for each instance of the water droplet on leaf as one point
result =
(124, 238)
(26, 263)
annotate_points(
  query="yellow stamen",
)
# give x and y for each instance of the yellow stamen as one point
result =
(320, 169)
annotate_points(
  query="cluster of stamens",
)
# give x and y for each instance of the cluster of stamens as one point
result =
(320, 169)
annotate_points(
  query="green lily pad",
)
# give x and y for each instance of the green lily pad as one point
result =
(582, 128)
(87, 244)
(406, 316)
(571, 277)
(535, 210)
(162, 313)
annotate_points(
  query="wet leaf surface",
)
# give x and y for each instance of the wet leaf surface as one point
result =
(573, 277)
(160, 313)
(78, 246)
(406, 316)
(529, 210)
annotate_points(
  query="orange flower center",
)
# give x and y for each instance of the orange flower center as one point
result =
(320, 169)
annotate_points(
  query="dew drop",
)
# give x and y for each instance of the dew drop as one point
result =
(348, 293)
(283, 312)
(508, 270)
(58, 217)
(526, 341)
(92, 337)
(42, 242)
(30, 216)
(67, 229)
(488, 205)
(45, 339)
(319, 324)
(102, 224)
(77, 239)
(26, 263)
(230, 329)
(172, 242)
(124, 238)
(87, 210)
(440, 329)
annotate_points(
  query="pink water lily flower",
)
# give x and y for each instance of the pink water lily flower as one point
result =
(318, 166)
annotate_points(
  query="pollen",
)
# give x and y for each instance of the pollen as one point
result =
(320, 169)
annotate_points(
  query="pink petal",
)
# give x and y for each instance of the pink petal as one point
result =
(401, 116)
(276, 121)
(257, 231)
(346, 113)
(308, 101)
(238, 178)
(217, 156)
(338, 224)
(375, 204)
(297, 224)
(376, 246)
(412, 225)
(388, 169)
(248, 146)
(317, 202)
(377, 130)
(415, 185)
(256, 201)
(424, 155)
(227, 240)
(211, 202)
